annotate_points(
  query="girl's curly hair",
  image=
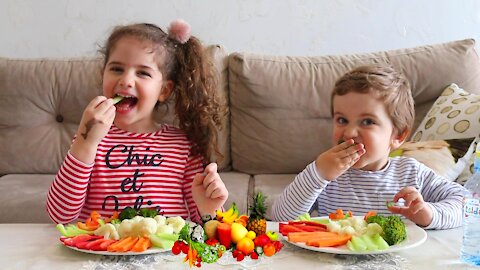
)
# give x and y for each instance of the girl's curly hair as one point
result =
(199, 109)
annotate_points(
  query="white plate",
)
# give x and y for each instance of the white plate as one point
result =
(415, 237)
(151, 250)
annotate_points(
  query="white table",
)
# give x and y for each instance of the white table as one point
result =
(36, 246)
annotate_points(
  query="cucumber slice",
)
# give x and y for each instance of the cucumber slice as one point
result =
(117, 99)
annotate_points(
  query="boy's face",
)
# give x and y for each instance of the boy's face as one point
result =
(364, 118)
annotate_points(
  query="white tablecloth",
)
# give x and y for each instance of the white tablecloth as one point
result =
(37, 246)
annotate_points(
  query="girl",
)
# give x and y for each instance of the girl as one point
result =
(120, 156)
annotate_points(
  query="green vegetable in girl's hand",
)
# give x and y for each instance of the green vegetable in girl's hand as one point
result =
(117, 99)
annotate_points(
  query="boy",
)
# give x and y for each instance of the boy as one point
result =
(373, 113)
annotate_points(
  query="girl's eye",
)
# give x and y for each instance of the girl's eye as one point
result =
(367, 122)
(144, 74)
(341, 121)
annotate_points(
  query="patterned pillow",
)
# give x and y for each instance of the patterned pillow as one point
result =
(454, 115)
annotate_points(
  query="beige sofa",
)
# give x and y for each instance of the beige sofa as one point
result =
(279, 114)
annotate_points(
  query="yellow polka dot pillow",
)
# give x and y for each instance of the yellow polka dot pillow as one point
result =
(454, 115)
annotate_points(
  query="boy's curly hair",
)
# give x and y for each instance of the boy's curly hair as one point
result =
(388, 85)
(199, 109)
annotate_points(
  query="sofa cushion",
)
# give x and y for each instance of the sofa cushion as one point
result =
(239, 186)
(272, 185)
(42, 102)
(280, 105)
(445, 157)
(23, 198)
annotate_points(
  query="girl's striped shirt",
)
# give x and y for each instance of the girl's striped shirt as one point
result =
(130, 169)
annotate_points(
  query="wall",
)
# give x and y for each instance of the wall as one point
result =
(59, 28)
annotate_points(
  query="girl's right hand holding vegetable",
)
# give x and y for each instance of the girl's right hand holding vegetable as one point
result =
(335, 161)
(97, 119)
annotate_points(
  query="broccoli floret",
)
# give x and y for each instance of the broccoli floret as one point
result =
(393, 228)
(146, 212)
(127, 213)
(379, 219)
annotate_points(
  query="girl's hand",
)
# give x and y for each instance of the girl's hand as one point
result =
(415, 207)
(335, 161)
(96, 121)
(209, 191)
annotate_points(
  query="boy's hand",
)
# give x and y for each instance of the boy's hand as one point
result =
(335, 161)
(209, 191)
(415, 207)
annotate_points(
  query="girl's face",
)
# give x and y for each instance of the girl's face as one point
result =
(364, 118)
(132, 72)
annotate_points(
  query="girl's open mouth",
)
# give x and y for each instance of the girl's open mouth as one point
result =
(124, 103)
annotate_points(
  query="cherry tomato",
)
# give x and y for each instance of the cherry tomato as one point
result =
(269, 249)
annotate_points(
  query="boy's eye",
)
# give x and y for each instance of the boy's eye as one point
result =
(116, 69)
(367, 122)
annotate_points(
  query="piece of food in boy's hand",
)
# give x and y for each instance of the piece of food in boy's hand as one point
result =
(117, 99)
(341, 141)
(392, 204)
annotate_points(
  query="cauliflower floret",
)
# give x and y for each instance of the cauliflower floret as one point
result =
(177, 223)
(146, 227)
(137, 219)
(344, 222)
(108, 231)
(127, 228)
(334, 226)
(348, 230)
(358, 223)
(164, 228)
(161, 220)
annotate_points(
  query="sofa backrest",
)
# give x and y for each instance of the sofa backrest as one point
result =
(280, 105)
(41, 104)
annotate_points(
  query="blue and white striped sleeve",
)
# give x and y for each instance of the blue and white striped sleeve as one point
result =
(445, 199)
(300, 195)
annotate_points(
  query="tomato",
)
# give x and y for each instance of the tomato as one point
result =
(269, 249)
(245, 245)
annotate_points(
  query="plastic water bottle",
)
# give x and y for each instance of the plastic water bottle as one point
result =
(470, 251)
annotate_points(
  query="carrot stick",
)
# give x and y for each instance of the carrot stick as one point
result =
(190, 256)
(128, 245)
(123, 244)
(370, 214)
(305, 236)
(142, 245)
(114, 216)
(329, 242)
(86, 227)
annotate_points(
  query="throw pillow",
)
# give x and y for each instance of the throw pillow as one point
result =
(442, 156)
(454, 115)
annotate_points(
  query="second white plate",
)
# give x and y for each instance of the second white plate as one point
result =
(415, 237)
